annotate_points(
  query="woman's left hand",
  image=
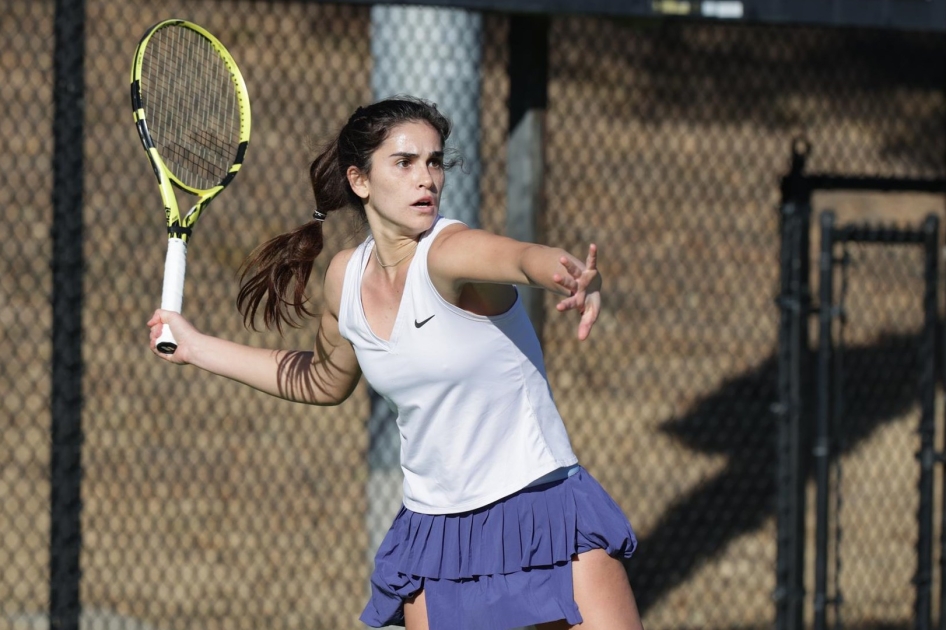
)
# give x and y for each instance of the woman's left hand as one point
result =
(583, 284)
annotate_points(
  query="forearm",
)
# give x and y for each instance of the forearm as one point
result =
(291, 375)
(543, 267)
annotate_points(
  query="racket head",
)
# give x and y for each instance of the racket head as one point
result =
(192, 112)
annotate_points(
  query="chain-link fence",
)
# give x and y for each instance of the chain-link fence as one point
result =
(208, 505)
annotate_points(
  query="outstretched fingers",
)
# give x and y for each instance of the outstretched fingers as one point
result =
(568, 281)
(591, 262)
(589, 316)
(582, 283)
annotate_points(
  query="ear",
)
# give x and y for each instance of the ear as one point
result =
(358, 182)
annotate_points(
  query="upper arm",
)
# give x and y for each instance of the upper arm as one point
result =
(461, 255)
(334, 361)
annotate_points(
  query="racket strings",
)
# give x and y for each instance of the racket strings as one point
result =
(191, 106)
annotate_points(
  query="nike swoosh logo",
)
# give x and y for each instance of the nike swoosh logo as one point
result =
(418, 324)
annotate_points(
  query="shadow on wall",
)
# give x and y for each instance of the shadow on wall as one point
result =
(771, 74)
(881, 383)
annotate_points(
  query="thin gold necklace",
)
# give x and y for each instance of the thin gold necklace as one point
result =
(396, 263)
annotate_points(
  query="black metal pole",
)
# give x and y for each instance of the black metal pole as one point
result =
(791, 407)
(927, 455)
(941, 457)
(785, 567)
(836, 436)
(525, 166)
(822, 446)
(67, 265)
(789, 597)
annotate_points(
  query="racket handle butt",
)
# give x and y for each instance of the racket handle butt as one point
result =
(166, 343)
(172, 293)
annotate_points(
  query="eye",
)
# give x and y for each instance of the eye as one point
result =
(403, 163)
(435, 163)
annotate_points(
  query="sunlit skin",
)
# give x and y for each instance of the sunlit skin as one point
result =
(402, 190)
(470, 268)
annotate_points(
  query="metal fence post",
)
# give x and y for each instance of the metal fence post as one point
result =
(525, 166)
(792, 404)
(66, 471)
(452, 81)
(443, 67)
(823, 435)
(927, 454)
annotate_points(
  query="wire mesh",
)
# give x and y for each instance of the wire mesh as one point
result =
(207, 505)
(25, 313)
(876, 444)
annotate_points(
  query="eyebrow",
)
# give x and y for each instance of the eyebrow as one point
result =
(407, 154)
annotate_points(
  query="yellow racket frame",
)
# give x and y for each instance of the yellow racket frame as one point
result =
(178, 226)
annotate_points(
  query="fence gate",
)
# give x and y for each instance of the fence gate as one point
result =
(874, 418)
(857, 413)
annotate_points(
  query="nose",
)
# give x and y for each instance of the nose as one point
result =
(426, 178)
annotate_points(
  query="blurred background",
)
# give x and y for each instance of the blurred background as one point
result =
(768, 412)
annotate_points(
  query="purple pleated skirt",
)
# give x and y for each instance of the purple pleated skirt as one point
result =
(501, 566)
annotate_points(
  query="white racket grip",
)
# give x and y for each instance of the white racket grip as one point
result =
(172, 294)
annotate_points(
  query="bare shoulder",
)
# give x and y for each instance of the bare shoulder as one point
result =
(335, 278)
(458, 239)
(447, 234)
(441, 258)
(339, 262)
(461, 254)
(458, 234)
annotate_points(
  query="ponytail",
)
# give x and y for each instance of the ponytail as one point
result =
(275, 275)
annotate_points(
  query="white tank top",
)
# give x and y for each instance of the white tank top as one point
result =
(475, 413)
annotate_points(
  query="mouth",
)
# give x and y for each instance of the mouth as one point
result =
(425, 203)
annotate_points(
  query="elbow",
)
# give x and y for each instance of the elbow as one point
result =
(332, 396)
(325, 403)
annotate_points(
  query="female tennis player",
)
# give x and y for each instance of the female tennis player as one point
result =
(500, 526)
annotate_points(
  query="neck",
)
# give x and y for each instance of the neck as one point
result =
(396, 262)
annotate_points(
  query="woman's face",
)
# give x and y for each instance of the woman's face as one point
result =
(406, 178)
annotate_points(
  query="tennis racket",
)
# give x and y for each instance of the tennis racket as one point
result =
(193, 116)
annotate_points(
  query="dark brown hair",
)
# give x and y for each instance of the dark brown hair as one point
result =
(275, 275)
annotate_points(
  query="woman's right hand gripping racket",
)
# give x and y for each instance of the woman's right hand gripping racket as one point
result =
(193, 115)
